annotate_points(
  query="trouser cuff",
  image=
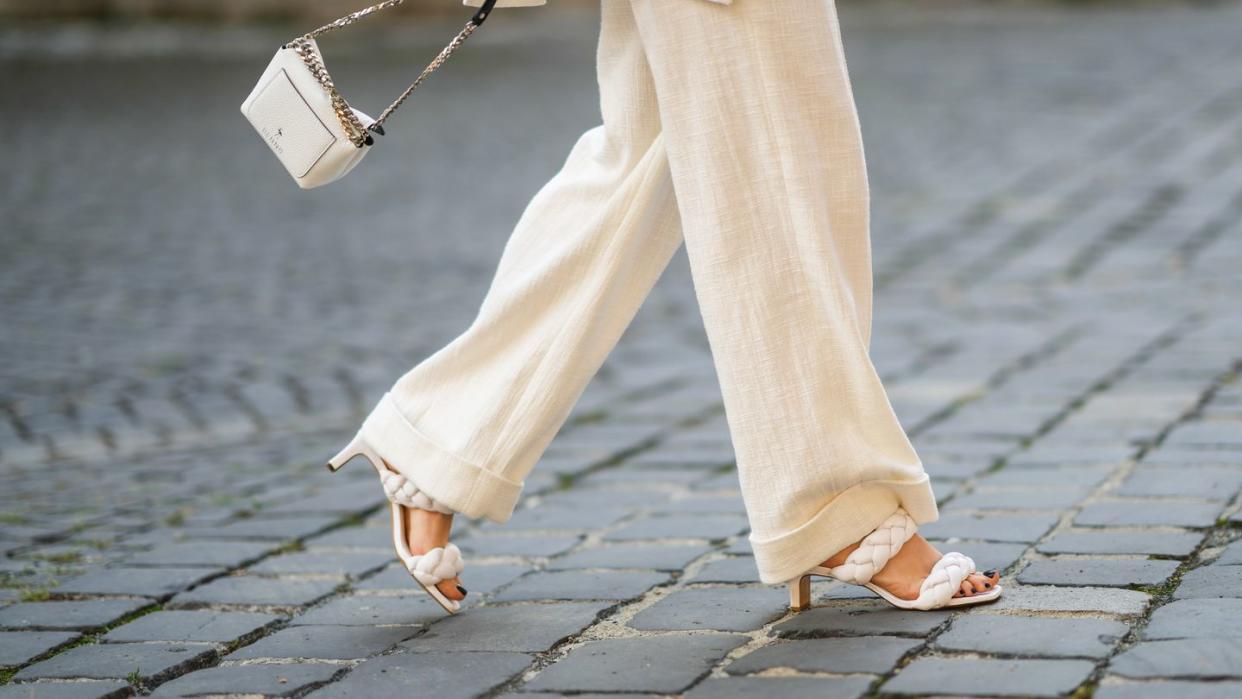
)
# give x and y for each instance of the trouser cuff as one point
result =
(446, 478)
(846, 519)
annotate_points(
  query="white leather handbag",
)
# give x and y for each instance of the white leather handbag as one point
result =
(303, 118)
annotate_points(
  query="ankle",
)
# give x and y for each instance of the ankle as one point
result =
(428, 529)
(839, 557)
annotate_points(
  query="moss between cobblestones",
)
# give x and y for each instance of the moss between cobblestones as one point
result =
(34, 594)
(6, 674)
(1163, 593)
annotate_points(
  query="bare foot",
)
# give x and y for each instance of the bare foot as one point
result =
(904, 573)
(425, 530)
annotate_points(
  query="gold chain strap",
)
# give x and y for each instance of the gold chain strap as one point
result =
(304, 47)
(353, 128)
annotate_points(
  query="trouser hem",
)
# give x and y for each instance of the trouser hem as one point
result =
(846, 519)
(445, 477)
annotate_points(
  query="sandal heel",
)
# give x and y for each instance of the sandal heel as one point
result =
(354, 448)
(800, 593)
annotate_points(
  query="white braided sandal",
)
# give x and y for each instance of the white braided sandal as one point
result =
(875, 550)
(428, 569)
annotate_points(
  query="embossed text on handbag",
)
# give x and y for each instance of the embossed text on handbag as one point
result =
(302, 116)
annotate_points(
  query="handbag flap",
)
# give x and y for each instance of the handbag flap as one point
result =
(289, 124)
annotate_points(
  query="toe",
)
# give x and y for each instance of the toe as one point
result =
(452, 589)
(972, 585)
(966, 589)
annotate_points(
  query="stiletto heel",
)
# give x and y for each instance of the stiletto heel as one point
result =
(800, 593)
(874, 552)
(354, 448)
(428, 569)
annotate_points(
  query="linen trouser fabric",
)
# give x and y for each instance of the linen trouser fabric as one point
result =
(733, 129)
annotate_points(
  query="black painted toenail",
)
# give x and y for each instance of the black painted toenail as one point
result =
(988, 585)
(989, 573)
(462, 590)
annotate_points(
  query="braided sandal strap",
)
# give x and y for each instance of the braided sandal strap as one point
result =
(402, 491)
(437, 565)
(944, 580)
(876, 549)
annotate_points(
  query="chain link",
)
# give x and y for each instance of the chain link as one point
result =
(305, 47)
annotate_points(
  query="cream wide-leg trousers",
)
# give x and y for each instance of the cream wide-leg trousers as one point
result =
(733, 129)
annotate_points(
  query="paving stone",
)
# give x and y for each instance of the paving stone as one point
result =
(989, 527)
(83, 615)
(874, 654)
(721, 482)
(1186, 657)
(1149, 513)
(778, 688)
(860, 620)
(152, 661)
(325, 642)
(573, 584)
(583, 497)
(353, 539)
(1050, 454)
(579, 695)
(1051, 637)
(305, 562)
(669, 664)
(527, 628)
(551, 518)
(157, 583)
(1192, 482)
(1193, 458)
(1019, 499)
(95, 689)
(253, 590)
(368, 610)
(723, 609)
(681, 527)
(1081, 477)
(1105, 600)
(1100, 572)
(17, 647)
(345, 499)
(1231, 556)
(266, 679)
(705, 503)
(989, 677)
(220, 554)
(537, 546)
(1211, 581)
(1173, 689)
(478, 578)
(1123, 542)
(1196, 618)
(631, 556)
(446, 675)
(1206, 433)
(740, 569)
(266, 529)
(645, 476)
(197, 626)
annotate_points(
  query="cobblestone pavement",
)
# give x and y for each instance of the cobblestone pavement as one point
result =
(1057, 202)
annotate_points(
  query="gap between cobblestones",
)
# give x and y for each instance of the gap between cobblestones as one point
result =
(1219, 533)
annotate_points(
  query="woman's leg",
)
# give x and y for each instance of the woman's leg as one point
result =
(767, 163)
(468, 423)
